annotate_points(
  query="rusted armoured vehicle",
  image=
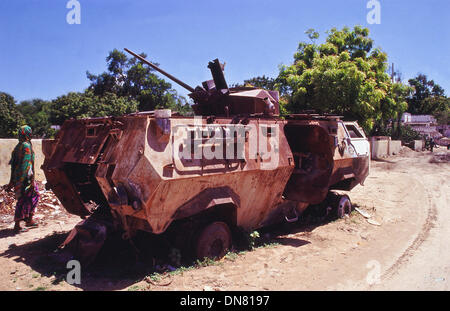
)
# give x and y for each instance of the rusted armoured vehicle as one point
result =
(236, 164)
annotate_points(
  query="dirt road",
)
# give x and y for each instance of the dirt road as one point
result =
(405, 247)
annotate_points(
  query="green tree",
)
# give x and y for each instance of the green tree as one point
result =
(181, 105)
(87, 104)
(10, 117)
(428, 97)
(443, 117)
(345, 75)
(260, 82)
(36, 113)
(127, 77)
(127, 86)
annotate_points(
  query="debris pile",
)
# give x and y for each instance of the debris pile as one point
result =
(49, 207)
(7, 203)
(406, 151)
(440, 157)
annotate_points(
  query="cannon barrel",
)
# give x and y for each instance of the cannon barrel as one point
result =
(189, 88)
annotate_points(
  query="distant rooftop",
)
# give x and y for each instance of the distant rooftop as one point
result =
(418, 119)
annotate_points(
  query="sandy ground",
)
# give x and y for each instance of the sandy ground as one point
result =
(406, 249)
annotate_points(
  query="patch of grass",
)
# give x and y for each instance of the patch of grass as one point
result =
(231, 256)
(355, 220)
(254, 240)
(206, 262)
(269, 245)
(40, 289)
(155, 277)
(35, 275)
(181, 270)
(134, 288)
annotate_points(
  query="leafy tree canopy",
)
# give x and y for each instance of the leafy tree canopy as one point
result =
(127, 77)
(344, 75)
(36, 113)
(127, 86)
(10, 117)
(428, 97)
(261, 82)
(87, 104)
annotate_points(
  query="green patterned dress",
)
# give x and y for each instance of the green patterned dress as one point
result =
(22, 176)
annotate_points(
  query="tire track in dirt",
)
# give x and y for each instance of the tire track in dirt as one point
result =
(423, 234)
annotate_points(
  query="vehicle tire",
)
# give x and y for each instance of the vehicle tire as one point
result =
(213, 241)
(344, 206)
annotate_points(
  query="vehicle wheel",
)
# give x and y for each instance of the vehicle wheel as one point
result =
(344, 206)
(213, 241)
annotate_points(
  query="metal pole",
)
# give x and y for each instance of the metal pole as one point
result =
(189, 88)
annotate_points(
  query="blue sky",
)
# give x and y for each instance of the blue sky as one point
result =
(42, 56)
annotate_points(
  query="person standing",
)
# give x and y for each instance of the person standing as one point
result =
(432, 144)
(22, 180)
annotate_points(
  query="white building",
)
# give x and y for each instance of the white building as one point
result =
(424, 124)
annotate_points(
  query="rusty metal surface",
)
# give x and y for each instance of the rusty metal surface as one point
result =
(140, 179)
(321, 147)
(138, 163)
(132, 164)
(164, 195)
(312, 146)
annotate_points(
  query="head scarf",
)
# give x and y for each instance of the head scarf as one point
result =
(25, 133)
(22, 163)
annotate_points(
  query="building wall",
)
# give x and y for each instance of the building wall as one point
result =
(381, 148)
(406, 117)
(394, 147)
(418, 145)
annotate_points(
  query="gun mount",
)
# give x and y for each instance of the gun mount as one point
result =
(214, 97)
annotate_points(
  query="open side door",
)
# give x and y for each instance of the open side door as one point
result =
(356, 139)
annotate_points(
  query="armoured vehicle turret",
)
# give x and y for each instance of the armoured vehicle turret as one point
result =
(235, 164)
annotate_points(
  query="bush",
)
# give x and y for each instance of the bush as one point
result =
(405, 133)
